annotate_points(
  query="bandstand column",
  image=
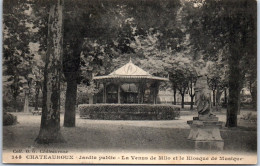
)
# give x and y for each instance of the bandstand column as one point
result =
(154, 95)
(154, 98)
(141, 93)
(104, 93)
(118, 94)
(155, 92)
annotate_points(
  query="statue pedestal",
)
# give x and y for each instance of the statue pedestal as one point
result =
(206, 134)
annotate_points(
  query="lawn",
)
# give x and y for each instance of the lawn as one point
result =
(119, 135)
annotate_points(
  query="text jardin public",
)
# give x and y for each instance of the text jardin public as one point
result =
(104, 157)
(100, 158)
(51, 155)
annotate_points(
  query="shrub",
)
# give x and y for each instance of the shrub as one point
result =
(9, 119)
(10, 106)
(129, 111)
(250, 117)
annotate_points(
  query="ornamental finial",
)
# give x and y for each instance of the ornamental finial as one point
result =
(130, 60)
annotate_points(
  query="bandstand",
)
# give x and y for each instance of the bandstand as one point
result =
(128, 84)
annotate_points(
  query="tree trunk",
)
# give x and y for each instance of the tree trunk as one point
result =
(191, 96)
(71, 62)
(191, 102)
(254, 95)
(234, 92)
(15, 104)
(225, 97)
(15, 91)
(26, 101)
(218, 95)
(70, 102)
(174, 95)
(239, 104)
(232, 108)
(50, 119)
(182, 100)
(214, 97)
(37, 91)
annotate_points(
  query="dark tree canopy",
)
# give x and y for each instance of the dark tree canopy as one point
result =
(167, 37)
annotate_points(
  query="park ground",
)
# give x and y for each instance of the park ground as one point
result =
(130, 135)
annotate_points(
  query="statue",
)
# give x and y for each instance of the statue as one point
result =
(204, 129)
(203, 99)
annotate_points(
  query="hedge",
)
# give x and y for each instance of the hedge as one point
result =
(129, 111)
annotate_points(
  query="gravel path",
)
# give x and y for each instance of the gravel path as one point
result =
(119, 135)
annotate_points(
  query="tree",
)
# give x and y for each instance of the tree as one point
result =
(230, 24)
(23, 34)
(82, 20)
(185, 54)
(182, 84)
(73, 39)
(251, 79)
(71, 64)
(192, 77)
(180, 77)
(37, 78)
(252, 84)
(95, 60)
(50, 120)
(217, 79)
(38, 15)
(117, 25)
(16, 54)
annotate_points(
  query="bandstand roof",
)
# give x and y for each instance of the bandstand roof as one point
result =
(129, 73)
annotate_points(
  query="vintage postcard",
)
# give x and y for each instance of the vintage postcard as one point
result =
(129, 82)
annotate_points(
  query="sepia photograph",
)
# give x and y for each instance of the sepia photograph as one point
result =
(129, 81)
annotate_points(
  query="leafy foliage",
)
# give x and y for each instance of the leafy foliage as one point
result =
(180, 39)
